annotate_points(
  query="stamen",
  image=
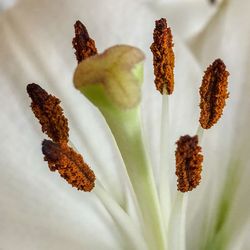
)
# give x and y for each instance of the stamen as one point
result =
(213, 92)
(188, 163)
(49, 113)
(69, 164)
(163, 57)
(83, 44)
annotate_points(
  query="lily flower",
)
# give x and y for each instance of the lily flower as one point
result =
(123, 211)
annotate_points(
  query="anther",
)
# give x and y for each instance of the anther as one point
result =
(188, 163)
(49, 113)
(163, 57)
(69, 164)
(82, 43)
(213, 92)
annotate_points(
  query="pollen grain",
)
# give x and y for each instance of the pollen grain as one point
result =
(47, 110)
(163, 57)
(213, 93)
(69, 164)
(84, 46)
(188, 163)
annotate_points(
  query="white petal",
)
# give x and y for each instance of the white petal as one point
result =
(5, 4)
(38, 207)
(186, 17)
(227, 37)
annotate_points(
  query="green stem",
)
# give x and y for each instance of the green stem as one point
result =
(126, 129)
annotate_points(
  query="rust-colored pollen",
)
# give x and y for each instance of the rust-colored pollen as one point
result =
(69, 164)
(49, 113)
(213, 92)
(57, 153)
(163, 57)
(82, 43)
(188, 163)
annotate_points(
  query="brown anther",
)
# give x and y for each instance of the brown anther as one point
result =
(69, 164)
(82, 43)
(163, 57)
(188, 163)
(49, 113)
(213, 92)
